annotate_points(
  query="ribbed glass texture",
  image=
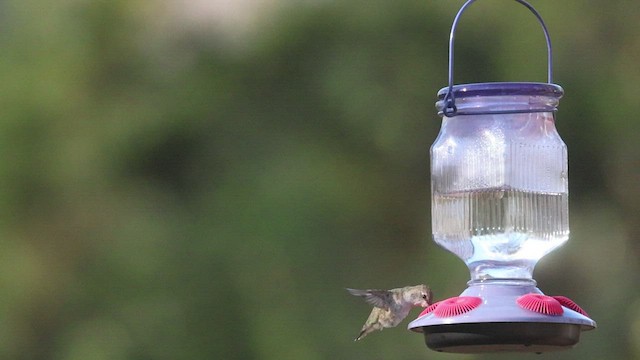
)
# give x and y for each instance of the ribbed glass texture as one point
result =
(499, 186)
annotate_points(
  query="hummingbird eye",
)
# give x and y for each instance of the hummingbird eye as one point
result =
(424, 296)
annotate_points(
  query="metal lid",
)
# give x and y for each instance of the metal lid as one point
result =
(503, 89)
(446, 104)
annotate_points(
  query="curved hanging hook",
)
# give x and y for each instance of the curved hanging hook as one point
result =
(449, 109)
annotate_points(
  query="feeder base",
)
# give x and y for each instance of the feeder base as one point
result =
(501, 337)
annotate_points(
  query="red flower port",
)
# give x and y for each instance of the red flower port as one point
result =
(456, 306)
(568, 303)
(541, 304)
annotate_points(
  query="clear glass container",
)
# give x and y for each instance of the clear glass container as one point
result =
(499, 178)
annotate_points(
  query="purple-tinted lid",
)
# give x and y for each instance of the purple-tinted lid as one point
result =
(503, 88)
(447, 107)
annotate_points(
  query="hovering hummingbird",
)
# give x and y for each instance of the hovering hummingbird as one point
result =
(390, 307)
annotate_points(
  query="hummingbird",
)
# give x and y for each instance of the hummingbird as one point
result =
(390, 307)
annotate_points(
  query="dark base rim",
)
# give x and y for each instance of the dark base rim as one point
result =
(501, 337)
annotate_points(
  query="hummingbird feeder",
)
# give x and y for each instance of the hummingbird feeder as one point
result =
(500, 203)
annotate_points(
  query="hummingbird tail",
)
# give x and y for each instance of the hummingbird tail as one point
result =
(367, 329)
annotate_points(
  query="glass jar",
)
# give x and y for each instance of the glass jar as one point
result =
(499, 178)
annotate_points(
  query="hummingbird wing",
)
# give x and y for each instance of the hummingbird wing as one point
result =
(378, 298)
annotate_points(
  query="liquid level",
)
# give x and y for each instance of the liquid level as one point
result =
(500, 233)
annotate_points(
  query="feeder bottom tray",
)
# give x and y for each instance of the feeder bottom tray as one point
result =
(501, 336)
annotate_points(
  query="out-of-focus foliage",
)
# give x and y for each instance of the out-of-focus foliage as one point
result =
(171, 193)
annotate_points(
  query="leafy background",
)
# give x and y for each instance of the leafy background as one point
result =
(178, 183)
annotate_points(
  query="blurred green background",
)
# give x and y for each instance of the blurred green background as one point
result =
(201, 180)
